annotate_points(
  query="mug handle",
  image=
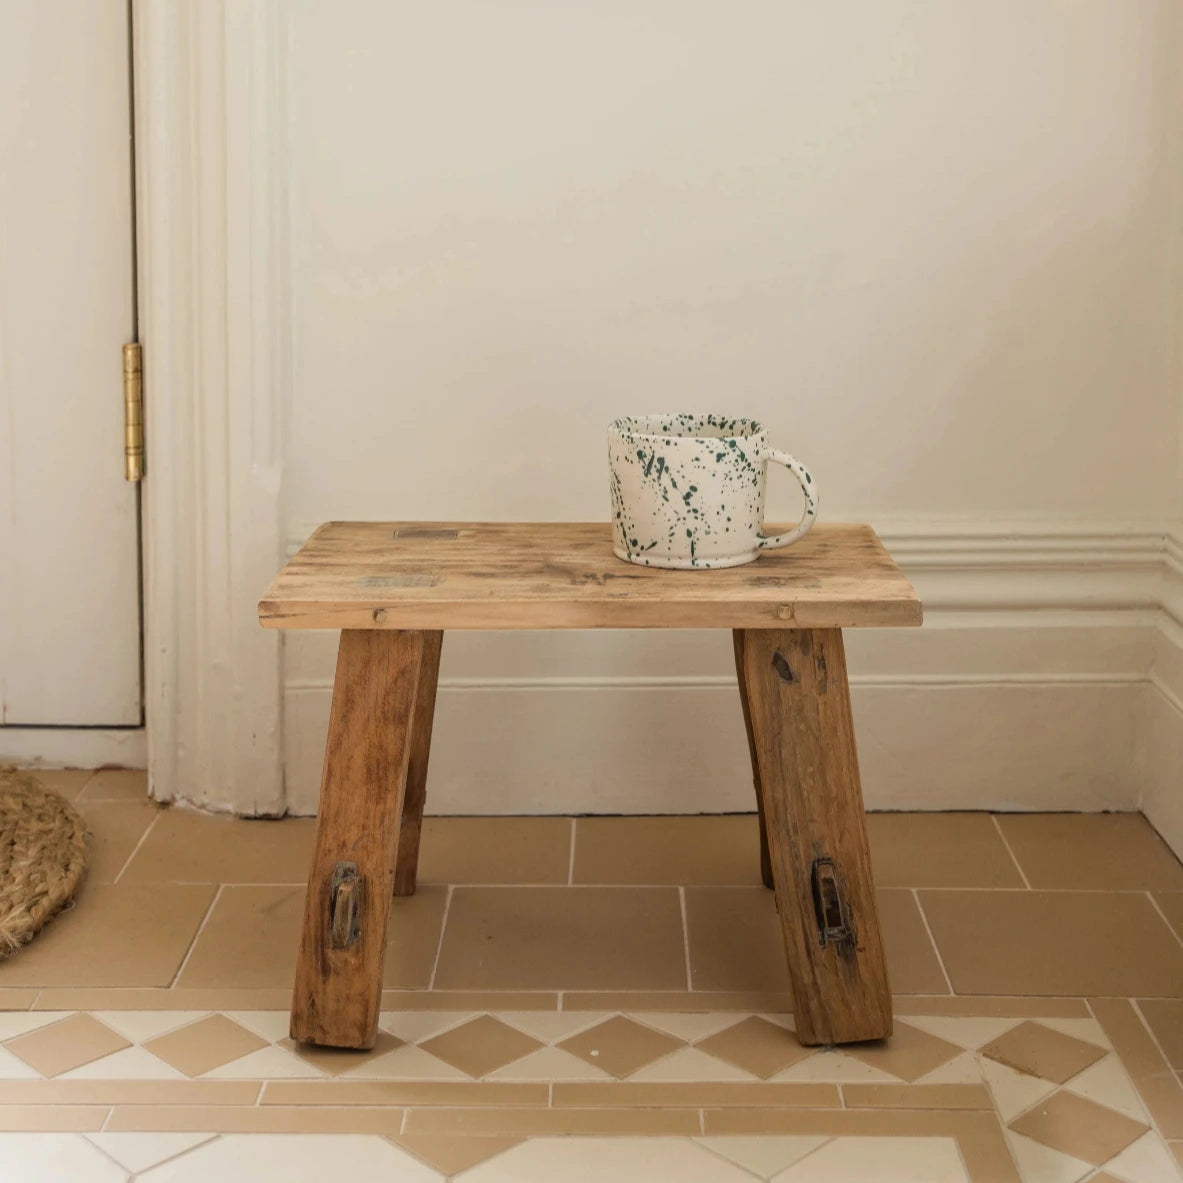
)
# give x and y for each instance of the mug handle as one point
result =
(771, 542)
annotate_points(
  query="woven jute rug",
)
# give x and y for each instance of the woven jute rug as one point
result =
(42, 857)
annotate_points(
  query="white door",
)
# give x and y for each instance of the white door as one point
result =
(69, 582)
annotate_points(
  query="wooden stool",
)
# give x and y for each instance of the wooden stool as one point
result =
(393, 588)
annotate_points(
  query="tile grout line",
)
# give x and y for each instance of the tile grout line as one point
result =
(571, 859)
(1137, 1009)
(136, 849)
(933, 941)
(1013, 857)
(402, 1125)
(685, 936)
(1155, 905)
(196, 936)
(443, 928)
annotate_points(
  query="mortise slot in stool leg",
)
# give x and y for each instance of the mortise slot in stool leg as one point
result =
(347, 906)
(765, 864)
(406, 864)
(802, 732)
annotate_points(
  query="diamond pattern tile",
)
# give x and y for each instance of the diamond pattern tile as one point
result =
(1039, 1051)
(1079, 1127)
(909, 1053)
(66, 1044)
(335, 1060)
(481, 1046)
(756, 1046)
(207, 1044)
(620, 1046)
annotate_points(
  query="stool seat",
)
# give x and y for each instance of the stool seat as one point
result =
(393, 588)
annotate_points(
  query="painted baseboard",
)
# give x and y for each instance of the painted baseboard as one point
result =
(1027, 688)
(74, 747)
(1161, 726)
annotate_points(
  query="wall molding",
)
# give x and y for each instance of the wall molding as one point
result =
(1025, 689)
(211, 216)
(74, 747)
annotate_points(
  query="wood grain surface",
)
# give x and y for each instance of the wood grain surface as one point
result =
(511, 575)
(337, 990)
(803, 733)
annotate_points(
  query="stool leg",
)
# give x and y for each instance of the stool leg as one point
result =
(347, 906)
(406, 862)
(803, 731)
(765, 862)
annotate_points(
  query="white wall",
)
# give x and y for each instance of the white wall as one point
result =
(933, 245)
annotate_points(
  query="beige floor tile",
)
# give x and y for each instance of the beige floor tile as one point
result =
(336, 1060)
(187, 847)
(757, 1046)
(122, 934)
(481, 1046)
(1037, 1050)
(250, 1119)
(66, 782)
(1107, 851)
(718, 850)
(1073, 1125)
(886, 1160)
(24, 1119)
(992, 1006)
(763, 1156)
(61, 1091)
(752, 1094)
(620, 1046)
(208, 1043)
(908, 1053)
(569, 1120)
(495, 850)
(1165, 1017)
(589, 938)
(1046, 942)
(459, 1093)
(453, 1155)
(115, 829)
(68, 1043)
(736, 941)
(592, 1160)
(939, 850)
(138, 1152)
(916, 1096)
(252, 935)
(116, 784)
(1171, 903)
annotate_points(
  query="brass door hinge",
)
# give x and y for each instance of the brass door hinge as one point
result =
(133, 412)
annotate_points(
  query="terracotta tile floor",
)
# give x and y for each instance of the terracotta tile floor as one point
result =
(600, 999)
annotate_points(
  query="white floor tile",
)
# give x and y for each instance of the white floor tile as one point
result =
(835, 1068)
(55, 1158)
(1086, 1029)
(405, 1063)
(884, 1160)
(552, 1026)
(549, 1063)
(14, 1068)
(268, 1063)
(18, 1022)
(1106, 1083)
(605, 1160)
(1013, 1092)
(1041, 1164)
(970, 1033)
(689, 1063)
(413, 1025)
(271, 1025)
(764, 1155)
(132, 1063)
(141, 1025)
(690, 1027)
(138, 1152)
(1146, 1161)
(293, 1158)
(962, 1070)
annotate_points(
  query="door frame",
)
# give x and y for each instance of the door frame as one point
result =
(211, 234)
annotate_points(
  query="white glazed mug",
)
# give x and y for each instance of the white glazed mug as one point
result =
(688, 490)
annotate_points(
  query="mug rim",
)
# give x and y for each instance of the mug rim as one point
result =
(620, 426)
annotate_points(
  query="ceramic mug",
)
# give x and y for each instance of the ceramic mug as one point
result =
(688, 490)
